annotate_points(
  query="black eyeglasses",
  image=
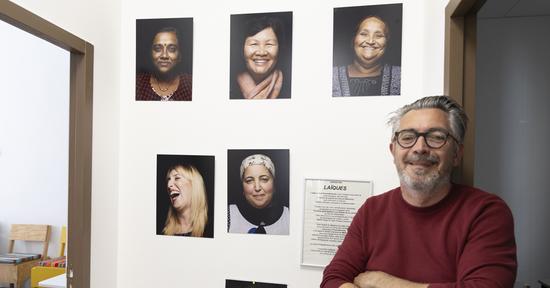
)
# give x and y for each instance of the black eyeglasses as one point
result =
(434, 138)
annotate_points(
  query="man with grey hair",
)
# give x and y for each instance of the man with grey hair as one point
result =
(428, 232)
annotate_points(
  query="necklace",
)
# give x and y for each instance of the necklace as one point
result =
(164, 93)
(160, 87)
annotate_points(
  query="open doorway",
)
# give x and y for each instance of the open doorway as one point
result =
(497, 66)
(79, 133)
(34, 136)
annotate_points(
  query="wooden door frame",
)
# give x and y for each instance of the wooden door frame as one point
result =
(460, 71)
(80, 134)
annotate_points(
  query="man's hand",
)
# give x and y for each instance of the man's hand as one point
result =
(378, 279)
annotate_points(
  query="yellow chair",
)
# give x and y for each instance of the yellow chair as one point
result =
(15, 268)
(40, 273)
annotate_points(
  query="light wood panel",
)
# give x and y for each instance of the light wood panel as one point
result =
(460, 68)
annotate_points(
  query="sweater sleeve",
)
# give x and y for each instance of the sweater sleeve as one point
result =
(488, 258)
(350, 258)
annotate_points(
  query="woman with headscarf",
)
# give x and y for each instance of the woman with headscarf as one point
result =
(259, 212)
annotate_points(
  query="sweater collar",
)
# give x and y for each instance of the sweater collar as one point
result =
(398, 195)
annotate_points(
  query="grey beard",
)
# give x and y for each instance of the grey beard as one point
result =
(427, 184)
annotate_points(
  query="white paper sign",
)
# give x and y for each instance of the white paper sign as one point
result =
(329, 208)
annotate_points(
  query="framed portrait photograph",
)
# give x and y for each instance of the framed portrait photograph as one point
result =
(261, 56)
(251, 284)
(257, 196)
(185, 195)
(367, 50)
(164, 59)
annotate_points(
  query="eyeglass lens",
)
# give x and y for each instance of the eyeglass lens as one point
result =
(434, 138)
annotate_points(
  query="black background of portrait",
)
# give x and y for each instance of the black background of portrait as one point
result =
(237, 64)
(146, 29)
(205, 165)
(346, 20)
(280, 158)
(249, 284)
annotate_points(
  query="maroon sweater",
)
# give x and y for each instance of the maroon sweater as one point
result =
(465, 240)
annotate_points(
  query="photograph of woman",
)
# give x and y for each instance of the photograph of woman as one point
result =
(367, 62)
(261, 56)
(251, 284)
(258, 192)
(164, 59)
(185, 195)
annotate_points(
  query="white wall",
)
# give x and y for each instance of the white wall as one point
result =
(34, 135)
(512, 132)
(332, 138)
(328, 138)
(97, 22)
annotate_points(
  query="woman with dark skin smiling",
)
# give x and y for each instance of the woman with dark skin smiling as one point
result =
(165, 82)
(259, 212)
(260, 75)
(368, 74)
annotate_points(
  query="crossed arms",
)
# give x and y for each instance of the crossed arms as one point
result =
(476, 252)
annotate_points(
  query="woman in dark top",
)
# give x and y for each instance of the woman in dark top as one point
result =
(166, 82)
(188, 212)
(368, 74)
(260, 211)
